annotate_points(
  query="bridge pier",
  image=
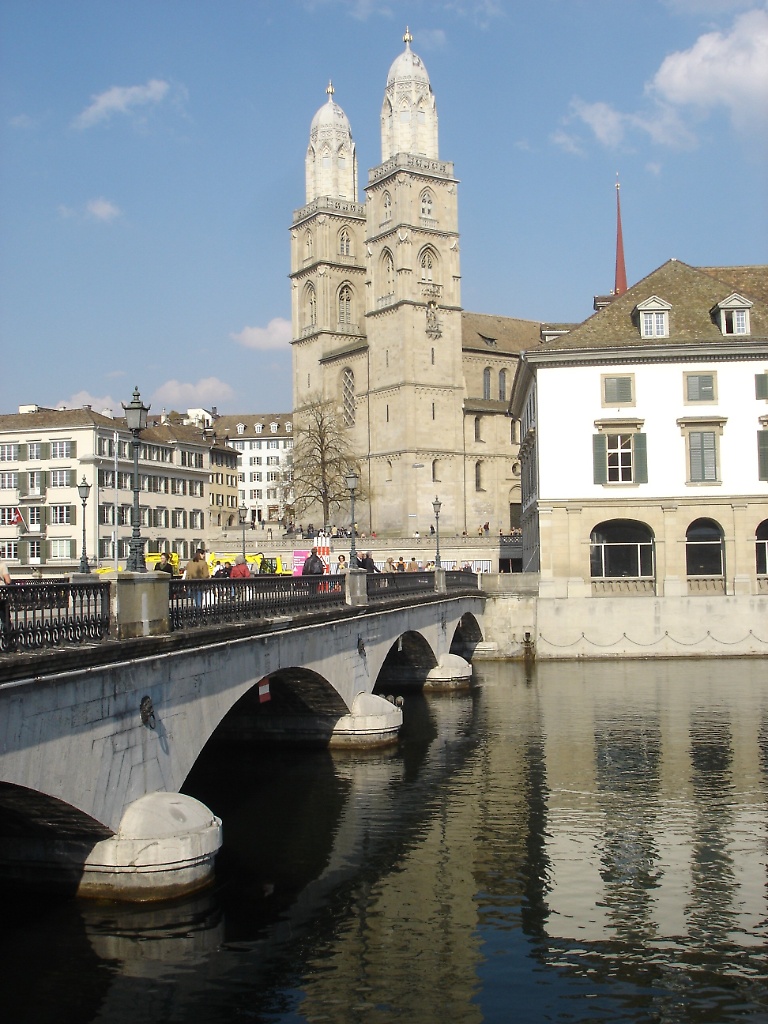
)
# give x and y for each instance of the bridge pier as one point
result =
(451, 673)
(165, 847)
(372, 722)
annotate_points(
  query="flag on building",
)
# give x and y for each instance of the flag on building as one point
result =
(17, 519)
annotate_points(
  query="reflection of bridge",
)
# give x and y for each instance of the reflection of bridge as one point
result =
(96, 744)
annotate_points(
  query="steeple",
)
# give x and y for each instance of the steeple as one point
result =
(408, 113)
(620, 281)
(331, 164)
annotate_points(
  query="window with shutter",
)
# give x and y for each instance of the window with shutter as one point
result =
(761, 385)
(700, 387)
(762, 454)
(618, 390)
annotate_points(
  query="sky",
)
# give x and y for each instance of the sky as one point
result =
(152, 155)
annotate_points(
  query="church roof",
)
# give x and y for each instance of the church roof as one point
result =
(503, 335)
(691, 293)
(330, 116)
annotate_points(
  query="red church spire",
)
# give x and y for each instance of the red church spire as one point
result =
(620, 283)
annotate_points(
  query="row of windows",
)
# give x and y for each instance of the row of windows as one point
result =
(502, 393)
(258, 427)
(731, 316)
(346, 301)
(621, 458)
(619, 390)
(37, 451)
(622, 548)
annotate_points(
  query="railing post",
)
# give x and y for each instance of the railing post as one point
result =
(440, 583)
(357, 587)
(140, 604)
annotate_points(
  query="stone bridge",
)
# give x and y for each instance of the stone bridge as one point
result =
(96, 743)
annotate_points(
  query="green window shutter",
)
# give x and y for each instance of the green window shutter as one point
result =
(618, 390)
(703, 455)
(761, 385)
(45, 451)
(23, 456)
(73, 449)
(23, 484)
(640, 454)
(762, 454)
(24, 552)
(73, 514)
(43, 515)
(599, 458)
(701, 387)
(43, 482)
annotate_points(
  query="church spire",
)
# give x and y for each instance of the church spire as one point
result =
(620, 281)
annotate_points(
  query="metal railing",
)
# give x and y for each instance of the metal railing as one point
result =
(35, 615)
(389, 584)
(213, 602)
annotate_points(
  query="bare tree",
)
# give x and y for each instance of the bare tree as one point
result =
(322, 458)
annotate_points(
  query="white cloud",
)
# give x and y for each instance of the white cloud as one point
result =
(567, 142)
(95, 209)
(98, 404)
(277, 334)
(22, 121)
(121, 99)
(721, 70)
(102, 209)
(176, 394)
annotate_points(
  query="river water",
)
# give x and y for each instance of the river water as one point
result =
(587, 843)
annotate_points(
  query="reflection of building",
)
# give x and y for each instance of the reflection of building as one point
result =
(644, 440)
(378, 329)
(44, 455)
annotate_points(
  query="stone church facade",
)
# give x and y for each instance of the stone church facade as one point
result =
(421, 386)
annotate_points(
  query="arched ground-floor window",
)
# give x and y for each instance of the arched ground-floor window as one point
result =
(621, 549)
(704, 556)
(761, 548)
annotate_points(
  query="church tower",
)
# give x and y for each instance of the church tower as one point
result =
(414, 315)
(376, 305)
(327, 264)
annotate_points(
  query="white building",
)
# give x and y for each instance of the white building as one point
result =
(644, 440)
(46, 453)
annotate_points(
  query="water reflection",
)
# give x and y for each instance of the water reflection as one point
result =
(585, 844)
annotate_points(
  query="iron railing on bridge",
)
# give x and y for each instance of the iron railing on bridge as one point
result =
(34, 615)
(211, 602)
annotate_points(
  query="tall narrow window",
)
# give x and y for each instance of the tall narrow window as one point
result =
(703, 455)
(487, 382)
(427, 263)
(478, 476)
(348, 396)
(427, 204)
(345, 304)
(478, 430)
(308, 245)
(345, 242)
(387, 202)
(502, 385)
(311, 307)
(389, 273)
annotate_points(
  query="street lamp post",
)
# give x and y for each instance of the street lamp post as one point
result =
(352, 480)
(437, 505)
(136, 421)
(84, 489)
(242, 515)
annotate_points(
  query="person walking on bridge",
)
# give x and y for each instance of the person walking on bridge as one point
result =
(314, 565)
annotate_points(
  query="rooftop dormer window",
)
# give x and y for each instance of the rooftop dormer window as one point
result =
(653, 316)
(241, 428)
(258, 427)
(732, 314)
(273, 427)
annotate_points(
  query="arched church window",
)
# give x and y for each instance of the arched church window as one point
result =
(345, 304)
(342, 159)
(326, 158)
(387, 206)
(478, 476)
(345, 242)
(502, 385)
(348, 397)
(310, 307)
(309, 244)
(405, 113)
(427, 203)
(435, 471)
(428, 263)
(487, 383)
(389, 272)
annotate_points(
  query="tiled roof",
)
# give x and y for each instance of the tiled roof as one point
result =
(692, 292)
(58, 418)
(227, 425)
(509, 334)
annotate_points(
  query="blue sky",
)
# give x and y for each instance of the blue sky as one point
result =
(152, 154)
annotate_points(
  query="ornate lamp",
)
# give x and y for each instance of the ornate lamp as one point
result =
(84, 489)
(136, 421)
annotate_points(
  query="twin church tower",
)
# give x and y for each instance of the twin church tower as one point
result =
(378, 330)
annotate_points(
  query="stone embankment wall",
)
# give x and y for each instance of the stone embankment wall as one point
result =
(629, 627)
